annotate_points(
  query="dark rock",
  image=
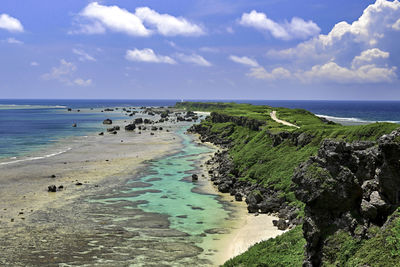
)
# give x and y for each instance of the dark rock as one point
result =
(282, 224)
(138, 121)
(195, 177)
(101, 133)
(52, 188)
(74, 125)
(238, 197)
(78, 183)
(224, 187)
(130, 127)
(347, 186)
(107, 121)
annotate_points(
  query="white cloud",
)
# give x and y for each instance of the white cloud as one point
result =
(244, 60)
(369, 56)
(34, 64)
(97, 19)
(350, 53)
(64, 72)
(12, 40)
(230, 30)
(168, 25)
(331, 72)
(82, 82)
(61, 72)
(297, 28)
(10, 24)
(194, 58)
(275, 74)
(396, 25)
(147, 55)
(83, 56)
(113, 18)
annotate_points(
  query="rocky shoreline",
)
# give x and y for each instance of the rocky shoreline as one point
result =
(258, 198)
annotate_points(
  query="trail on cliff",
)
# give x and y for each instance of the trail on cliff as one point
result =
(273, 116)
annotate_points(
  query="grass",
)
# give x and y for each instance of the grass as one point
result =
(284, 250)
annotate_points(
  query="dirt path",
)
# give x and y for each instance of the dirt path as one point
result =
(273, 116)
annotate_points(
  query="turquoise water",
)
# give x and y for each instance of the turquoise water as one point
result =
(173, 193)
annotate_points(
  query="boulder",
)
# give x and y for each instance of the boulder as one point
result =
(107, 121)
(282, 224)
(130, 127)
(52, 188)
(195, 177)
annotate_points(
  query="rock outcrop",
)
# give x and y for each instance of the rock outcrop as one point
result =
(347, 187)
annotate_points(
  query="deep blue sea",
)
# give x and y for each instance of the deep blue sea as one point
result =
(31, 125)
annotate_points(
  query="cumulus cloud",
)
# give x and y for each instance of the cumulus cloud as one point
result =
(82, 55)
(194, 58)
(244, 60)
(335, 73)
(297, 28)
(97, 19)
(350, 53)
(147, 55)
(10, 24)
(64, 72)
(369, 56)
(167, 25)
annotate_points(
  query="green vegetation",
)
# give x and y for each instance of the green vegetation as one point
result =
(284, 250)
(255, 157)
(382, 249)
(269, 156)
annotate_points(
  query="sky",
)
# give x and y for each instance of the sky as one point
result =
(200, 49)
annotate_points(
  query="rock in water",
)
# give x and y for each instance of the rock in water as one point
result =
(107, 121)
(195, 177)
(74, 125)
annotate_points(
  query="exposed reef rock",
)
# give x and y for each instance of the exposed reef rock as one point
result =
(348, 187)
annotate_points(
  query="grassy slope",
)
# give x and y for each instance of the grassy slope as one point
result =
(284, 250)
(258, 161)
(383, 249)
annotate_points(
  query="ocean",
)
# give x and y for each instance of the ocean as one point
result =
(29, 127)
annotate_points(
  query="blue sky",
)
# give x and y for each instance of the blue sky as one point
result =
(204, 49)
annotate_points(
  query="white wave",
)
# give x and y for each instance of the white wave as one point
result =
(35, 158)
(13, 106)
(351, 119)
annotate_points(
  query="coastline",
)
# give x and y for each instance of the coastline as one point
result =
(244, 229)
